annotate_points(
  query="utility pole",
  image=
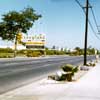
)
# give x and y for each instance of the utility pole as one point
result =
(15, 45)
(86, 32)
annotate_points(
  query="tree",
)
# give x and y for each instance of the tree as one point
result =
(91, 51)
(77, 48)
(77, 51)
(14, 22)
(53, 47)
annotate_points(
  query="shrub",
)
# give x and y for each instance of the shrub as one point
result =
(66, 74)
(6, 50)
(91, 64)
(63, 77)
(67, 67)
(69, 77)
(70, 69)
(32, 53)
(6, 55)
(55, 52)
(21, 51)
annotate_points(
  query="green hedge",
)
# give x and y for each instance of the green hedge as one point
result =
(34, 53)
(55, 52)
(6, 55)
(6, 50)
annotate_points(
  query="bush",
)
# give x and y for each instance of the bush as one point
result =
(69, 77)
(55, 52)
(66, 74)
(21, 51)
(6, 55)
(6, 50)
(32, 53)
(67, 67)
(63, 77)
(70, 69)
(91, 64)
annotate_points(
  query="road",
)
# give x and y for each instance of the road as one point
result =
(17, 72)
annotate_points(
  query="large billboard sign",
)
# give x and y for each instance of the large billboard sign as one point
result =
(34, 41)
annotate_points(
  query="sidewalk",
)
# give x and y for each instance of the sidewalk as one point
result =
(86, 88)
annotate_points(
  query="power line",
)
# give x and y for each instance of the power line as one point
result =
(79, 4)
(95, 23)
(93, 30)
(89, 20)
(94, 18)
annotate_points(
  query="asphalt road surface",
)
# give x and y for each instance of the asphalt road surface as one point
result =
(17, 72)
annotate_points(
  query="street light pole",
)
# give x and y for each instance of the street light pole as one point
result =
(86, 32)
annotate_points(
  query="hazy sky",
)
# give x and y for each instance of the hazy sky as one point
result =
(63, 21)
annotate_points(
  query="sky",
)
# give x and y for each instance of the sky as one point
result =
(63, 21)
